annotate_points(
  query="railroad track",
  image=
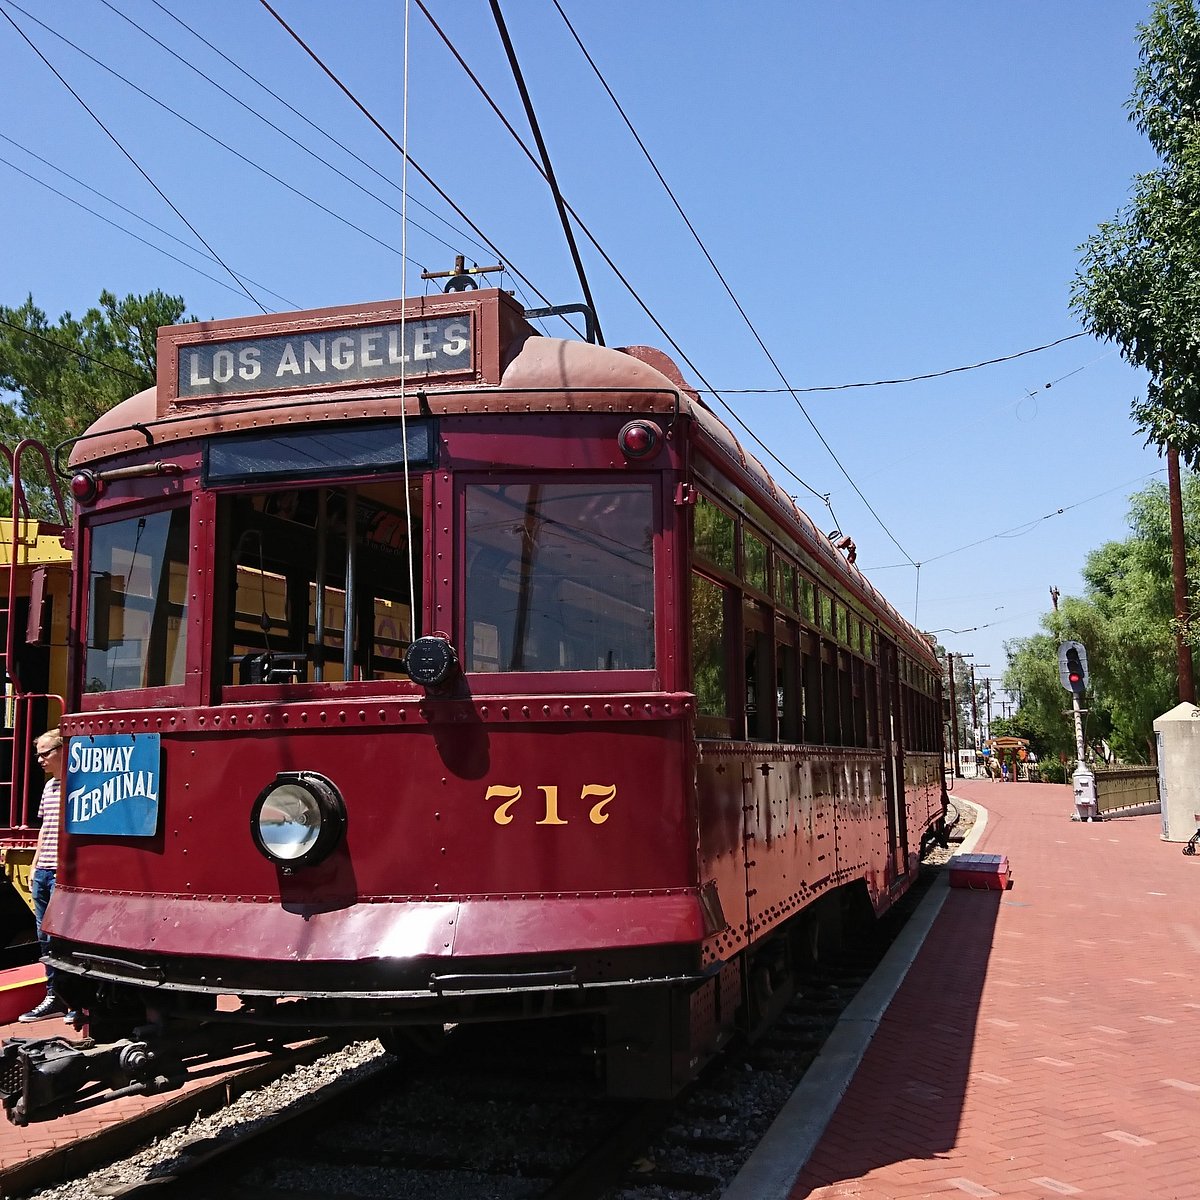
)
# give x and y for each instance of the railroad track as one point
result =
(520, 1118)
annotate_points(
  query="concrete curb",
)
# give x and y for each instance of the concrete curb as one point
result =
(770, 1172)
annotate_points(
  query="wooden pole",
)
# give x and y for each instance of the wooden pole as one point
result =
(1183, 651)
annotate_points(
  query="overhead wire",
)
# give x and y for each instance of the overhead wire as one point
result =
(319, 129)
(362, 108)
(842, 387)
(1025, 527)
(267, 121)
(137, 217)
(794, 392)
(116, 142)
(301, 193)
(895, 460)
(822, 496)
(99, 362)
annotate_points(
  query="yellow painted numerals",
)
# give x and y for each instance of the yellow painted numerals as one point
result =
(602, 793)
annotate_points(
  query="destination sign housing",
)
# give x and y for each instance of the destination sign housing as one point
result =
(326, 358)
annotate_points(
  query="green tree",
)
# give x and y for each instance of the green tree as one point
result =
(1124, 619)
(1139, 280)
(56, 378)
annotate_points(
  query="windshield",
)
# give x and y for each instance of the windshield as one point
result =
(560, 577)
(318, 584)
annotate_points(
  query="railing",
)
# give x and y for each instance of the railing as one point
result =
(26, 716)
(1125, 787)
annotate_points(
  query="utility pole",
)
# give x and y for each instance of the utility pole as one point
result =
(987, 683)
(975, 706)
(974, 713)
(955, 769)
(1183, 651)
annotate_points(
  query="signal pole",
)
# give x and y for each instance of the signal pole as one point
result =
(1073, 674)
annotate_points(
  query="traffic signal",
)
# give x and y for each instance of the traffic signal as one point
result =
(1072, 667)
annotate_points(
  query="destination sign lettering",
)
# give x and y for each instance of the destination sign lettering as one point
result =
(331, 357)
(112, 785)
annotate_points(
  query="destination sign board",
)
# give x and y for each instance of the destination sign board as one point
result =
(326, 358)
(112, 785)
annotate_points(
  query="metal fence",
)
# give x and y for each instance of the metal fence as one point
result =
(1121, 787)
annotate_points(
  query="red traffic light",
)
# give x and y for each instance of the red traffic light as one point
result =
(1073, 666)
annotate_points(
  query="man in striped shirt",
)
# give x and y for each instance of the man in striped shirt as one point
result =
(45, 861)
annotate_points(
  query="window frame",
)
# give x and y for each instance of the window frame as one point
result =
(158, 695)
(574, 681)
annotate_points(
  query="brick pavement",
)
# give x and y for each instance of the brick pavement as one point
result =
(1044, 1043)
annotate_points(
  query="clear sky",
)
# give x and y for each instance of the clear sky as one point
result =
(889, 189)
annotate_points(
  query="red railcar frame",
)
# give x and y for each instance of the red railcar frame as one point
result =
(516, 841)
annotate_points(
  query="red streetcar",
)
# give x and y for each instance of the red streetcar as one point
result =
(431, 670)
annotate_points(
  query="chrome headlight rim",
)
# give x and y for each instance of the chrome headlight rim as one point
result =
(325, 801)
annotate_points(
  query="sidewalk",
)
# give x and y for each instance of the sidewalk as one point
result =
(1044, 1041)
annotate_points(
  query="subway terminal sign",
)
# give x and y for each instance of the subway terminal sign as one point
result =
(326, 358)
(112, 784)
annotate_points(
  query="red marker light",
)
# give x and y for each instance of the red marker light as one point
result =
(85, 486)
(639, 439)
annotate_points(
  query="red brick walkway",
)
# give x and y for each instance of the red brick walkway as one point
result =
(1045, 1042)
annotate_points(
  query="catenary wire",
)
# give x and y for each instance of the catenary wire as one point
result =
(116, 142)
(271, 124)
(213, 138)
(1024, 528)
(333, 77)
(709, 390)
(319, 129)
(729, 290)
(842, 387)
(129, 232)
(99, 362)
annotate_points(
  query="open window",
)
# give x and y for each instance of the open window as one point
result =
(317, 584)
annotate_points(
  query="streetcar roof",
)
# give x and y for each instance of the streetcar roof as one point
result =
(516, 371)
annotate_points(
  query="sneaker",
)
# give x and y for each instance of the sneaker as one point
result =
(72, 1017)
(52, 1006)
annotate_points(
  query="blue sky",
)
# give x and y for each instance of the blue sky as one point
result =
(890, 189)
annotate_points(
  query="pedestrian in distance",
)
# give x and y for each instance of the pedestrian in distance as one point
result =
(49, 749)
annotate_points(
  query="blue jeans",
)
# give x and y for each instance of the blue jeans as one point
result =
(42, 888)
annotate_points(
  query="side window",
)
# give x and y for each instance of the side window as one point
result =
(754, 558)
(785, 584)
(712, 535)
(710, 669)
(787, 682)
(830, 705)
(810, 689)
(137, 602)
(760, 674)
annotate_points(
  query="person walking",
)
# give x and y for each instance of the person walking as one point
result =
(49, 749)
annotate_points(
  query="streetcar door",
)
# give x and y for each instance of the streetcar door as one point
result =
(891, 729)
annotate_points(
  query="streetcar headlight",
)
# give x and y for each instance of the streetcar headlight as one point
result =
(297, 819)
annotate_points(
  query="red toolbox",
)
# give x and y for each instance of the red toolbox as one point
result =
(980, 872)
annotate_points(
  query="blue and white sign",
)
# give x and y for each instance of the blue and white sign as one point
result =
(111, 786)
